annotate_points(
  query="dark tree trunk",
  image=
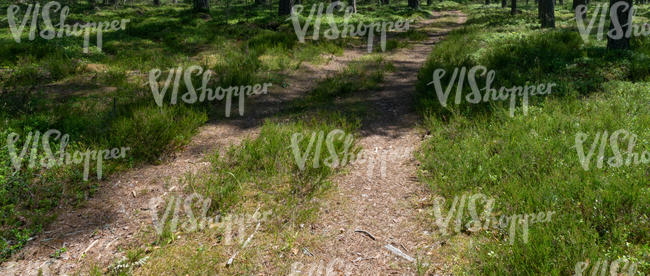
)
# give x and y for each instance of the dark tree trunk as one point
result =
(260, 2)
(414, 4)
(621, 20)
(577, 3)
(156, 2)
(385, 2)
(504, 3)
(201, 5)
(513, 7)
(429, 2)
(547, 13)
(561, 2)
(284, 8)
(487, 2)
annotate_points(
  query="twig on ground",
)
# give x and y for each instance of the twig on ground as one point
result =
(365, 233)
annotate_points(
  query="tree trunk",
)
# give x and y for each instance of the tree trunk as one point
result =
(547, 13)
(201, 5)
(353, 4)
(284, 8)
(414, 4)
(577, 3)
(260, 2)
(385, 2)
(513, 7)
(621, 19)
(561, 2)
(487, 2)
(429, 2)
(156, 2)
(504, 3)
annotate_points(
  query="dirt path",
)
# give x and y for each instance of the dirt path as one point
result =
(384, 204)
(111, 219)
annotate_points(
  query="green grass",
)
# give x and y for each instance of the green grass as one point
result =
(529, 163)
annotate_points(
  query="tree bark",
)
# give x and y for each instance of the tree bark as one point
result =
(156, 2)
(547, 13)
(513, 7)
(487, 2)
(414, 4)
(504, 3)
(577, 3)
(260, 2)
(621, 19)
(284, 8)
(201, 5)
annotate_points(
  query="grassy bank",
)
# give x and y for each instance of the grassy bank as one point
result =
(529, 163)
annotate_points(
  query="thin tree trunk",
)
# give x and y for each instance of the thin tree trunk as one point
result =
(621, 19)
(487, 2)
(504, 3)
(414, 4)
(156, 2)
(353, 4)
(547, 13)
(513, 7)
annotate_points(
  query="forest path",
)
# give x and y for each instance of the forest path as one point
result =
(382, 195)
(112, 219)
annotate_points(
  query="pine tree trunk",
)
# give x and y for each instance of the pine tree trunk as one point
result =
(284, 8)
(156, 2)
(577, 3)
(513, 7)
(414, 4)
(620, 16)
(547, 13)
(201, 5)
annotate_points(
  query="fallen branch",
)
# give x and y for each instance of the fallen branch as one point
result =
(366, 233)
(398, 252)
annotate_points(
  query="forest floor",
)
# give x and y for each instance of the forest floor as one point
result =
(385, 205)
